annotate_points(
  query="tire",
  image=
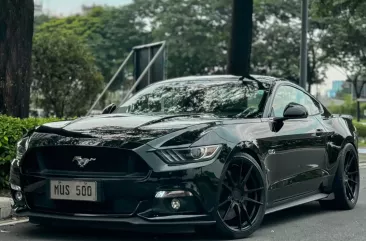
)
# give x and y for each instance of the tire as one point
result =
(346, 184)
(249, 207)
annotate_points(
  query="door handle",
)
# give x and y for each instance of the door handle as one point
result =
(319, 132)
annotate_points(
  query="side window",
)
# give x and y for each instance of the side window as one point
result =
(288, 94)
(313, 106)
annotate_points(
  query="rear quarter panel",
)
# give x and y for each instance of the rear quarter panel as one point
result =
(340, 131)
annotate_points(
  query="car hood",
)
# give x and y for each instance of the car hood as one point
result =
(125, 128)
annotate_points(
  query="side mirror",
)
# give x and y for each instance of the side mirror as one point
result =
(292, 111)
(109, 109)
(295, 111)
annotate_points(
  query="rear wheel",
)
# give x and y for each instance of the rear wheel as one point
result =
(346, 183)
(241, 197)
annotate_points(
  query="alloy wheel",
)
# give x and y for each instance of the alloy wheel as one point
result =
(241, 195)
(351, 176)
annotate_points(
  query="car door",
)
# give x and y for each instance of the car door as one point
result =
(296, 150)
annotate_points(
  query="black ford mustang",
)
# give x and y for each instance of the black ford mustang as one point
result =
(203, 151)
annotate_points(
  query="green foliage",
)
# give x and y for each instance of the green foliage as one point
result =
(361, 128)
(349, 107)
(41, 19)
(276, 42)
(110, 33)
(11, 130)
(66, 79)
(345, 24)
(197, 33)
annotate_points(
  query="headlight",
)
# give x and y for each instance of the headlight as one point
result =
(193, 154)
(22, 147)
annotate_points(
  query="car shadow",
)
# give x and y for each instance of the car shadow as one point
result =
(293, 214)
(38, 232)
(270, 221)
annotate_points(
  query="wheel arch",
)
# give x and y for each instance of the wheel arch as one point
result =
(249, 148)
(349, 139)
(246, 154)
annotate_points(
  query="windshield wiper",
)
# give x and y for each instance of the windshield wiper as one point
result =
(165, 118)
(245, 79)
(247, 113)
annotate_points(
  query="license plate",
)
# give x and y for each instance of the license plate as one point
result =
(74, 190)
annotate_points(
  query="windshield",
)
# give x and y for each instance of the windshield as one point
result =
(223, 98)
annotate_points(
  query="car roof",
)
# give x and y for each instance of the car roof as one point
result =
(261, 78)
(269, 80)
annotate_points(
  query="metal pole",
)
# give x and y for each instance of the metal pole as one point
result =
(143, 73)
(110, 82)
(304, 43)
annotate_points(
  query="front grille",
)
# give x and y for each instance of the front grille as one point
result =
(60, 159)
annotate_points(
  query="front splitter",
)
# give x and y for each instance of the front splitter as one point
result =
(109, 221)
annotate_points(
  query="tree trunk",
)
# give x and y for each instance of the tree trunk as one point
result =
(310, 75)
(16, 33)
(358, 95)
(241, 38)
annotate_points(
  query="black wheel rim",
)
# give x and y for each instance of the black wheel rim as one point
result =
(351, 177)
(241, 195)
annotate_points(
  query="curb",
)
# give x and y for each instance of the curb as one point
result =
(5, 207)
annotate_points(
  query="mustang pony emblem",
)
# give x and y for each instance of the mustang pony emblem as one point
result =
(82, 161)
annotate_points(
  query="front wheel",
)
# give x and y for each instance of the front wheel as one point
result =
(346, 183)
(241, 197)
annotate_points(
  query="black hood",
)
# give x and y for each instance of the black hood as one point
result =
(126, 128)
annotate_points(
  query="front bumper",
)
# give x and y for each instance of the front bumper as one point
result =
(124, 202)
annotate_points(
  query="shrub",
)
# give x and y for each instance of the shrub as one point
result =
(349, 107)
(361, 128)
(66, 79)
(11, 130)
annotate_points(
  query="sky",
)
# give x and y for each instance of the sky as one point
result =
(67, 7)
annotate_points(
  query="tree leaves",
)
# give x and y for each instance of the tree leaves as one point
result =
(66, 78)
(197, 33)
(276, 43)
(110, 34)
(11, 131)
(344, 42)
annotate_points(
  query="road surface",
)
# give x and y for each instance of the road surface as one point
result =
(306, 223)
